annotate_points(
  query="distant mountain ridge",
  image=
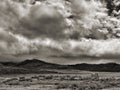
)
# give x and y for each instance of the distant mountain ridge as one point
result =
(107, 67)
(39, 66)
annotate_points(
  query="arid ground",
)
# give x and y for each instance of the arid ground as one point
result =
(67, 80)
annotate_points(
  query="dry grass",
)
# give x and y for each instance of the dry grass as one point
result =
(60, 82)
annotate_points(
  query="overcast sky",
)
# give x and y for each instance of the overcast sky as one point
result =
(41, 32)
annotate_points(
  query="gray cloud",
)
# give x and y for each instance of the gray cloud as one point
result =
(42, 21)
(40, 31)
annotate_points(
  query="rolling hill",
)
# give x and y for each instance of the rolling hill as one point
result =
(39, 66)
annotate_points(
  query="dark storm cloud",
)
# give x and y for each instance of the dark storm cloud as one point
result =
(80, 57)
(42, 21)
(21, 21)
(40, 30)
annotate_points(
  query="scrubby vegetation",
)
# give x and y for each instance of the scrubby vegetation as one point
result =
(64, 81)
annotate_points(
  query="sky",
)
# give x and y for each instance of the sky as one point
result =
(44, 32)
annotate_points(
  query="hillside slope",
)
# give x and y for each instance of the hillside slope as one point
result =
(38, 66)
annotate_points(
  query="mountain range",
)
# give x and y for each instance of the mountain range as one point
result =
(39, 66)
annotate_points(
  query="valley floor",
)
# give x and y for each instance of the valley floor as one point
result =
(79, 80)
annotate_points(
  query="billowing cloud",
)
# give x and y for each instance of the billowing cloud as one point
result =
(95, 48)
(42, 21)
(69, 30)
